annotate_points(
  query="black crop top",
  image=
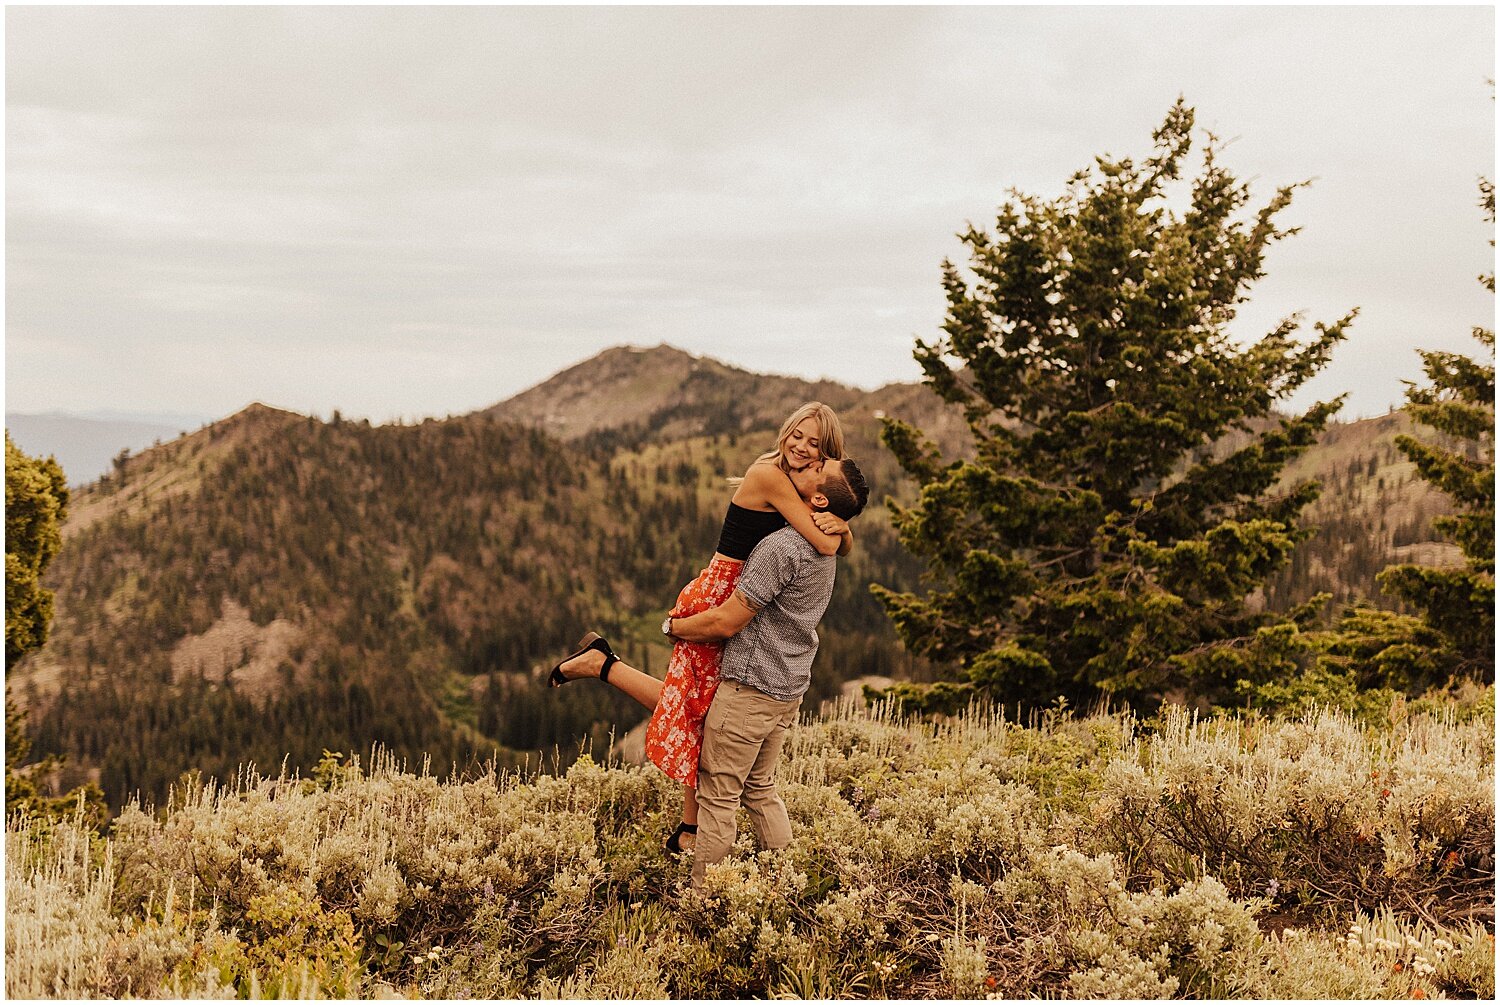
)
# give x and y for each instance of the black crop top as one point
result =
(743, 530)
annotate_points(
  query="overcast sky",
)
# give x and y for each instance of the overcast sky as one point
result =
(401, 212)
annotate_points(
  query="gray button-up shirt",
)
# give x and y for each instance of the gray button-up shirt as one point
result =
(789, 584)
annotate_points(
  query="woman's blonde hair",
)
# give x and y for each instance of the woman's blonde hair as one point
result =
(830, 433)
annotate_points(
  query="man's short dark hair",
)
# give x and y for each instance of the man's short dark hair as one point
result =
(846, 490)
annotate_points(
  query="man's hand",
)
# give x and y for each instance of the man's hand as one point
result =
(716, 624)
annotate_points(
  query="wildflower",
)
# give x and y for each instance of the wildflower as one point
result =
(1384, 793)
(1418, 993)
(1397, 967)
(1273, 888)
(1452, 859)
(1355, 930)
(990, 982)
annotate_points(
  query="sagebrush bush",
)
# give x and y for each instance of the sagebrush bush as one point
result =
(1078, 857)
(64, 939)
(1316, 812)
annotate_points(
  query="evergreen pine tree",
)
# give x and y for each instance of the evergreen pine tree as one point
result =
(36, 503)
(1099, 542)
(1459, 401)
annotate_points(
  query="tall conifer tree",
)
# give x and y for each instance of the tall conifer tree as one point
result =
(1458, 401)
(36, 503)
(1099, 541)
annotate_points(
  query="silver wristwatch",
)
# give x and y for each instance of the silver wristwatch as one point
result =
(666, 626)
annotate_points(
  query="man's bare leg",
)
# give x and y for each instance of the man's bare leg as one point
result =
(643, 687)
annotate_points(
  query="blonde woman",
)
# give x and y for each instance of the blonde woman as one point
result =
(765, 500)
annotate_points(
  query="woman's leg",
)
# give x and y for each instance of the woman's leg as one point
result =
(643, 687)
(689, 816)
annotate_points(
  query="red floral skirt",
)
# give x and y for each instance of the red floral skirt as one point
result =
(674, 737)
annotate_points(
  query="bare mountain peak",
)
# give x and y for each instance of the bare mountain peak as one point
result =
(660, 351)
(260, 410)
(660, 392)
(252, 420)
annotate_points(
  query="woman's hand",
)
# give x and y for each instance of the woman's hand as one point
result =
(830, 524)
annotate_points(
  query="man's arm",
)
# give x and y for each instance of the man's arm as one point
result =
(717, 623)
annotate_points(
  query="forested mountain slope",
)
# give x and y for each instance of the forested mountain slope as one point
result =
(1375, 510)
(274, 585)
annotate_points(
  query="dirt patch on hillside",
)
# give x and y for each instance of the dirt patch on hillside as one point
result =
(236, 649)
(631, 748)
(1438, 554)
(36, 683)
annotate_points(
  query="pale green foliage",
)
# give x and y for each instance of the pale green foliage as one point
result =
(972, 858)
(64, 940)
(1463, 960)
(965, 966)
(1321, 807)
(627, 970)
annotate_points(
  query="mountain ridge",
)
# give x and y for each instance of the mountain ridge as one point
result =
(663, 390)
(85, 447)
(274, 584)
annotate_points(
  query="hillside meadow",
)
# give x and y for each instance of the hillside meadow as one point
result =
(1100, 856)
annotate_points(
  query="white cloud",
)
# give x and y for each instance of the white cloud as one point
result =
(408, 210)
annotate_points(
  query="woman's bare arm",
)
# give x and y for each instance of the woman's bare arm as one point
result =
(838, 527)
(769, 484)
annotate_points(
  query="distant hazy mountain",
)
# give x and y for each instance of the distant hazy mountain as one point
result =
(86, 445)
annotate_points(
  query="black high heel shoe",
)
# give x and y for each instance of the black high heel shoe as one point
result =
(674, 843)
(590, 641)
